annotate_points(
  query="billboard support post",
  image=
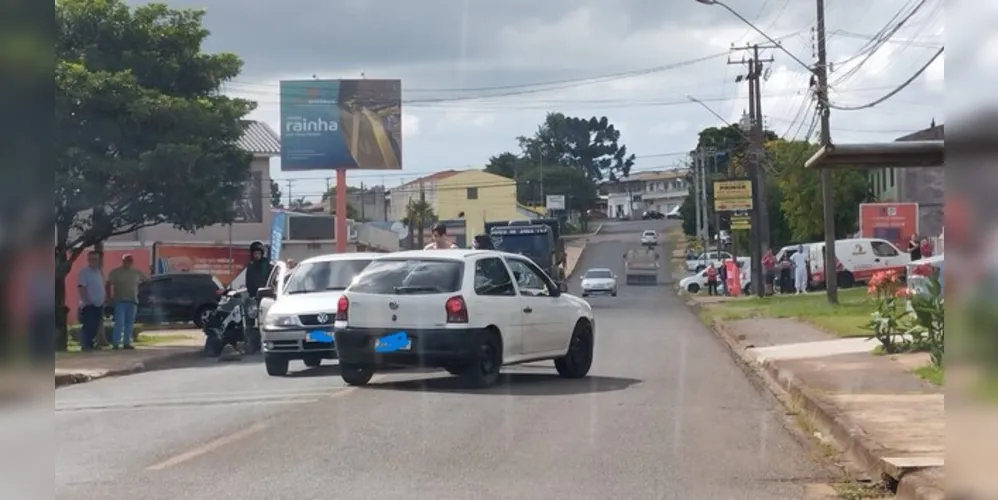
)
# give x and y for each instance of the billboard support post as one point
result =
(341, 210)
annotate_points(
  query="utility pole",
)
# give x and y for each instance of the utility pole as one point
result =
(329, 197)
(362, 201)
(422, 212)
(705, 231)
(827, 195)
(695, 167)
(290, 199)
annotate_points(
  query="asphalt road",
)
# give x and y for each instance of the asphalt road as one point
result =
(664, 414)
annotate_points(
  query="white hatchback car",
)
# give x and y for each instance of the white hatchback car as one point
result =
(649, 237)
(467, 311)
(298, 325)
(600, 281)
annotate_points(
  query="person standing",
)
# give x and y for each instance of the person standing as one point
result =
(914, 248)
(440, 240)
(722, 275)
(769, 270)
(799, 261)
(123, 288)
(711, 280)
(90, 284)
(925, 248)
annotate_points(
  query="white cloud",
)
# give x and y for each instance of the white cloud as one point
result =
(410, 124)
(667, 128)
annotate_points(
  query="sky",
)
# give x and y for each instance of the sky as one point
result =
(477, 74)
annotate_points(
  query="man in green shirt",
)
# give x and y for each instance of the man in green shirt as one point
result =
(123, 290)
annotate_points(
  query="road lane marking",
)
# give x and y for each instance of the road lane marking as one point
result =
(208, 447)
(231, 438)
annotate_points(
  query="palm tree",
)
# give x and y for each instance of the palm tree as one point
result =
(418, 215)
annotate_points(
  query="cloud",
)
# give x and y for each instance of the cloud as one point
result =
(493, 52)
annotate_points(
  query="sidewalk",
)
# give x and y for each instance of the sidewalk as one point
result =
(177, 345)
(880, 414)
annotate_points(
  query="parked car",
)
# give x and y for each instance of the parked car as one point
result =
(176, 298)
(858, 260)
(649, 237)
(674, 214)
(917, 279)
(652, 215)
(599, 281)
(698, 282)
(298, 325)
(700, 262)
(469, 312)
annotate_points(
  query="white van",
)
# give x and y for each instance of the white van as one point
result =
(859, 259)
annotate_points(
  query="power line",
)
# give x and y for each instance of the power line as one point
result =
(896, 90)
(880, 42)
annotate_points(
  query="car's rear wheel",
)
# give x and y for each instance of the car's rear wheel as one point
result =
(483, 371)
(312, 360)
(579, 358)
(356, 375)
(276, 367)
(693, 288)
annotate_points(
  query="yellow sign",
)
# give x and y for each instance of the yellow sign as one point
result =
(733, 190)
(737, 205)
(741, 223)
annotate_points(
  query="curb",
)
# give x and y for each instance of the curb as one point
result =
(72, 378)
(851, 440)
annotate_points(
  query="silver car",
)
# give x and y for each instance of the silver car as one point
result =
(599, 282)
(298, 325)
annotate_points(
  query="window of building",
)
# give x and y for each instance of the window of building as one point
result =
(473, 193)
(892, 173)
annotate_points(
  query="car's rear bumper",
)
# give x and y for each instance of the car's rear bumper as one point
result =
(429, 348)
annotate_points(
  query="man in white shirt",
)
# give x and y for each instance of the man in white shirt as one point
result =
(440, 241)
(799, 261)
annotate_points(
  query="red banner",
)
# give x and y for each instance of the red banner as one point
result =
(894, 222)
(222, 261)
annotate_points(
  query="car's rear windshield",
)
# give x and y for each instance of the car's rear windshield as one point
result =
(311, 277)
(598, 274)
(649, 233)
(410, 276)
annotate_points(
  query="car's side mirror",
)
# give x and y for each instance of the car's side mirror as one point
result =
(266, 293)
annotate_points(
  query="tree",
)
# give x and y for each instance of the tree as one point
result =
(418, 216)
(299, 204)
(276, 198)
(578, 189)
(506, 164)
(142, 135)
(801, 188)
(591, 145)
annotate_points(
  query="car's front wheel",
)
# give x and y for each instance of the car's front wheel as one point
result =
(579, 358)
(356, 375)
(276, 367)
(483, 370)
(693, 288)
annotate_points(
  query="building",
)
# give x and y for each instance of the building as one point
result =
(254, 219)
(660, 190)
(370, 204)
(477, 197)
(922, 185)
(400, 197)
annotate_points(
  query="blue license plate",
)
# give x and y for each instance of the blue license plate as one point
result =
(319, 336)
(398, 341)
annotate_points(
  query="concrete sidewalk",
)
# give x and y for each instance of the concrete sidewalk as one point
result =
(78, 367)
(882, 416)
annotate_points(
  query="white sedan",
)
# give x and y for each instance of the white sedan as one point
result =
(470, 312)
(599, 282)
(697, 282)
(649, 237)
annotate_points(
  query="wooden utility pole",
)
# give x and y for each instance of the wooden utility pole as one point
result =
(827, 193)
(362, 201)
(422, 213)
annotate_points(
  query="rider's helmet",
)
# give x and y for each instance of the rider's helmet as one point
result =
(257, 246)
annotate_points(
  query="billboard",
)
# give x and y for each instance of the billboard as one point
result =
(894, 222)
(333, 124)
(223, 261)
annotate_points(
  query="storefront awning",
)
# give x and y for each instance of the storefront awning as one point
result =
(900, 154)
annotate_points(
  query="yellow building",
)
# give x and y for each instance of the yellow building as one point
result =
(482, 196)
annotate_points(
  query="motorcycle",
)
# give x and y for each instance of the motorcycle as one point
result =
(234, 321)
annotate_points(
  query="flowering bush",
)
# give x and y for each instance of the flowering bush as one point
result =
(887, 321)
(927, 324)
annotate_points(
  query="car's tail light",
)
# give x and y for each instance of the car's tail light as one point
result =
(342, 308)
(457, 310)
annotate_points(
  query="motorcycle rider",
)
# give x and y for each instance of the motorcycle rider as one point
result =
(258, 270)
(257, 274)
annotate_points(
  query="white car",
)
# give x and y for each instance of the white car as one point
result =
(702, 261)
(600, 281)
(649, 237)
(298, 324)
(694, 284)
(467, 311)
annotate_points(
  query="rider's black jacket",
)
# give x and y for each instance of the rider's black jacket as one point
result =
(257, 273)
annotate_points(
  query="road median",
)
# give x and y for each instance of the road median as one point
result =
(877, 413)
